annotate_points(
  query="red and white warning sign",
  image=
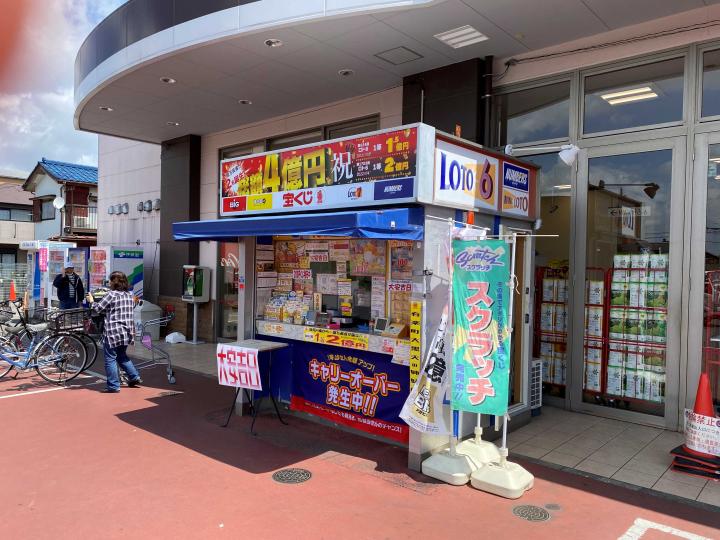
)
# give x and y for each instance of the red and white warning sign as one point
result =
(238, 367)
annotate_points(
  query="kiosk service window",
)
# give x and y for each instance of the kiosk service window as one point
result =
(358, 285)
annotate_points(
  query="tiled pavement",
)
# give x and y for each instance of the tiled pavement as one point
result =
(629, 453)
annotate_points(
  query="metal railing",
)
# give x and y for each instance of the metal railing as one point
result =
(80, 217)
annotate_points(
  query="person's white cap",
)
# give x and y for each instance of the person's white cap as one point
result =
(69, 264)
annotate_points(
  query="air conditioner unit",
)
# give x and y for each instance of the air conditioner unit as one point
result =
(535, 386)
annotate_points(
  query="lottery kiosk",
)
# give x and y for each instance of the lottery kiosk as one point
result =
(341, 248)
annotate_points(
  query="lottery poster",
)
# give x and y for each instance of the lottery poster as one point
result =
(367, 258)
(354, 388)
(377, 168)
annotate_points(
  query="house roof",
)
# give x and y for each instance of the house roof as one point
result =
(69, 172)
(13, 193)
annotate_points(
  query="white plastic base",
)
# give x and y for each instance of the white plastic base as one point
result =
(508, 480)
(481, 453)
(454, 470)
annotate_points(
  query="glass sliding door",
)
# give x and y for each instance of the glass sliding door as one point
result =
(552, 273)
(626, 358)
(704, 312)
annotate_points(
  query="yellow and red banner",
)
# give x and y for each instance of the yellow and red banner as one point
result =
(378, 168)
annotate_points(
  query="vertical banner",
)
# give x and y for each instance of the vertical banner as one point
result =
(423, 409)
(415, 340)
(481, 352)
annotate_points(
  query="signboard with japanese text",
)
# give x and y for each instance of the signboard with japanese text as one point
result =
(423, 409)
(415, 339)
(481, 351)
(377, 168)
(338, 338)
(352, 388)
(473, 178)
(702, 433)
(238, 367)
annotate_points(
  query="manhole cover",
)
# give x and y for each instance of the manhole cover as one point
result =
(529, 512)
(292, 476)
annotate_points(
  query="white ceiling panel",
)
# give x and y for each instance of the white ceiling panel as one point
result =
(423, 23)
(334, 60)
(332, 28)
(619, 13)
(547, 23)
(255, 43)
(224, 58)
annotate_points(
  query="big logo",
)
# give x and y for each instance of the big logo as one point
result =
(465, 178)
(479, 259)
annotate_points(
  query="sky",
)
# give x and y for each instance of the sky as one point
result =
(39, 40)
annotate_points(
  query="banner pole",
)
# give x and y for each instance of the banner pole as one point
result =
(510, 329)
(455, 414)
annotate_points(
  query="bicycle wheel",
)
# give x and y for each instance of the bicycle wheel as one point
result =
(91, 347)
(6, 346)
(60, 358)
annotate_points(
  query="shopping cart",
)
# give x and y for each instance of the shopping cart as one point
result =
(159, 357)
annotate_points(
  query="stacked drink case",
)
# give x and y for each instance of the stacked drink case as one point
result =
(638, 327)
(594, 319)
(553, 330)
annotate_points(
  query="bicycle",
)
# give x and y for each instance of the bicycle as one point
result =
(57, 358)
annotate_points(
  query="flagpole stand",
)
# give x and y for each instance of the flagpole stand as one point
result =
(479, 451)
(448, 466)
(505, 478)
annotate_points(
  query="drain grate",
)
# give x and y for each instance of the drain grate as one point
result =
(529, 512)
(292, 476)
(552, 506)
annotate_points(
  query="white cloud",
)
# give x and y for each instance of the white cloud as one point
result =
(36, 98)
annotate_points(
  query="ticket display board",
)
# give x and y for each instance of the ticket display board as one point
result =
(377, 168)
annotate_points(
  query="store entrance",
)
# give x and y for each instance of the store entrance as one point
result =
(628, 285)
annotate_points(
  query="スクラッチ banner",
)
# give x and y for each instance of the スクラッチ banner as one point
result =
(481, 352)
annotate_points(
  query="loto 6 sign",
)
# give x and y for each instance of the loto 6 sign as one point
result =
(464, 178)
(238, 367)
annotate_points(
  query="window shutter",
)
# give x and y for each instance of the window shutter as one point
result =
(37, 211)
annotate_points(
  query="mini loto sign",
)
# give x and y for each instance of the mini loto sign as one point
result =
(702, 433)
(238, 367)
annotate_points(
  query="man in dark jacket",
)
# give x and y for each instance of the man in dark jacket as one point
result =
(70, 290)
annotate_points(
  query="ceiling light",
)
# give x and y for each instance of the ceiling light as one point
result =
(715, 159)
(563, 186)
(168, 80)
(274, 43)
(106, 108)
(244, 102)
(631, 94)
(629, 99)
(175, 124)
(346, 72)
(461, 37)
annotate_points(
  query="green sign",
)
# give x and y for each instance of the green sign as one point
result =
(481, 352)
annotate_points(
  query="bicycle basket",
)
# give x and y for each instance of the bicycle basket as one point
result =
(68, 319)
(8, 311)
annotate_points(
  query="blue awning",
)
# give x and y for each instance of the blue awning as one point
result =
(394, 223)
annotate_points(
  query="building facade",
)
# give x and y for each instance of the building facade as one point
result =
(64, 202)
(16, 222)
(622, 307)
